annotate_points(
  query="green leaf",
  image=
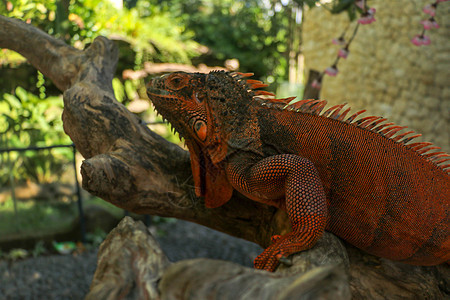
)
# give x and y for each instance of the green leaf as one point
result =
(118, 88)
(22, 94)
(130, 89)
(341, 6)
(351, 13)
(14, 103)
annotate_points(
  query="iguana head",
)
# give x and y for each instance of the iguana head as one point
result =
(180, 98)
(200, 106)
(204, 109)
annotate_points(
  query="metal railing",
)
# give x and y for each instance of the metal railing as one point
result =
(78, 194)
(77, 184)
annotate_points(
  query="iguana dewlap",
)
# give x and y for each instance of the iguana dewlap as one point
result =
(356, 177)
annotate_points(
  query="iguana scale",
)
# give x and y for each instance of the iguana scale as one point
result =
(358, 178)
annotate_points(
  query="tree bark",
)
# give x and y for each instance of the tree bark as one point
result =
(311, 92)
(131, 265)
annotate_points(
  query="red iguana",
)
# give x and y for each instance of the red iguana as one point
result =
(355, 177)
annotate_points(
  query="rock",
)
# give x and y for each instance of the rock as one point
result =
(214, 279)
(132, 265)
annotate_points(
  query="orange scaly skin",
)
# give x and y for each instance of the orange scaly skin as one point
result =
(356, 177)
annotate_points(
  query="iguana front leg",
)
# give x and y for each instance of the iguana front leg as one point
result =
(289, 178)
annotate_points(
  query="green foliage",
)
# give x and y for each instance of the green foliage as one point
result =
(95, 201)
(340, 6)
(247, 30)
(119, 89)
(152, 34)
(156, 220)
(39, 249)
(259, 34)
(40, 85)
(40, 13)
(16, 254)
(96, 238)
(26, 120)
(35, 216)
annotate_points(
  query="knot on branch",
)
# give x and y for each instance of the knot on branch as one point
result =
(105, 175)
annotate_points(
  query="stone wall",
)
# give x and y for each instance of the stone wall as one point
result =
(385, 73)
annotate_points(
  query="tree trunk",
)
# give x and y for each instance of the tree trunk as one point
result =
(311, 92)
(133, 168)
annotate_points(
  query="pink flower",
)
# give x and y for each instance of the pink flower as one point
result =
(368, 17)
(343, 52)
(339, 41)
(430, 23)
(331, 71)
(430, 9)
(317, 84)
(420, 40)
(426, 40)
(360, 3)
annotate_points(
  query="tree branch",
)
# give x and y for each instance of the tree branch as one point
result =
(126, 163)
(52, 57)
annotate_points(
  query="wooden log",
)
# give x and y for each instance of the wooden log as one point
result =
(131, 265)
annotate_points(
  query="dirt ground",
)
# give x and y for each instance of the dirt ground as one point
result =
(69, 276)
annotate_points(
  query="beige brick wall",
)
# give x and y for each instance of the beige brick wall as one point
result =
(385, 73)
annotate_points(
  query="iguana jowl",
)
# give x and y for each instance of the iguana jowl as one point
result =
(356, 177)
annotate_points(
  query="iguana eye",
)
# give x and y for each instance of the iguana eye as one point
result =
(176, 82)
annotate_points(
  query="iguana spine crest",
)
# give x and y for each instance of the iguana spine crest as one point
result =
(337, 112)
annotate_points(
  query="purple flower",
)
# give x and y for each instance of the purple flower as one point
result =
(331, 71)
(420, 40)
(360, 3)
(339, 41)
(343, 52)
(368, 17)
(430, 9)
(317, 84)
(430, 23)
